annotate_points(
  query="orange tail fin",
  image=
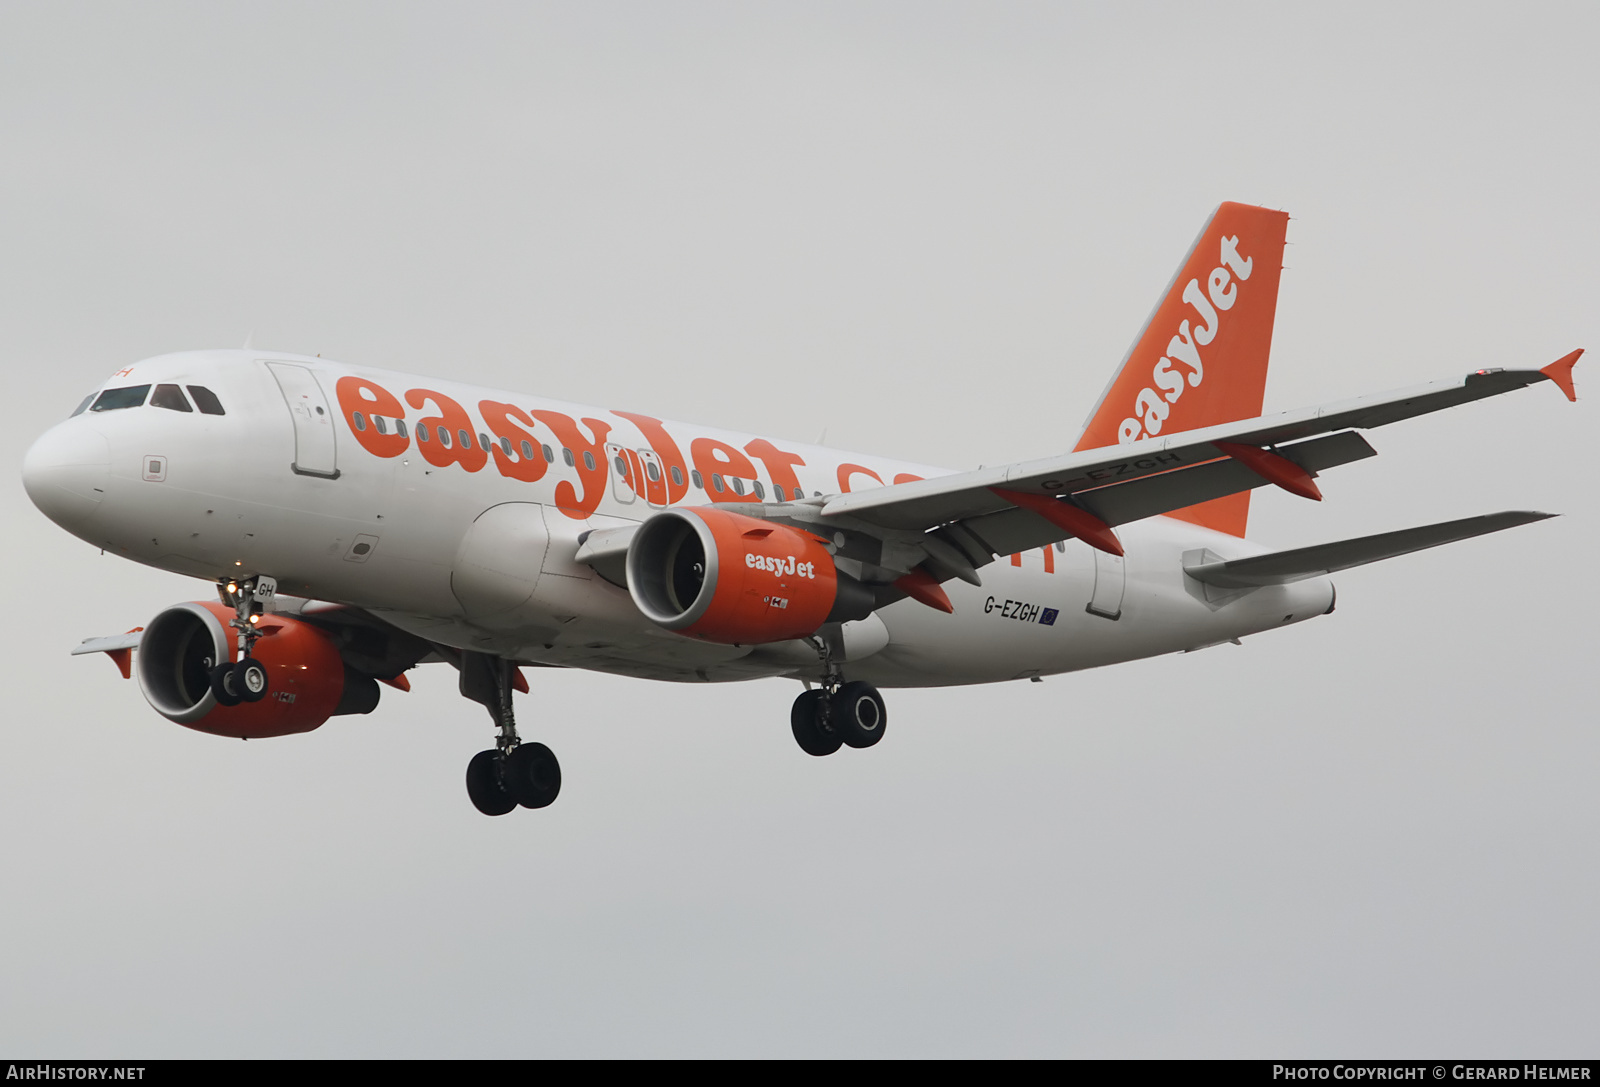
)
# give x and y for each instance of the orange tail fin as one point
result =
(1202, 358)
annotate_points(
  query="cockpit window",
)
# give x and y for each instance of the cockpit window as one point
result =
(170, 397)
(130, 396)
(206, 400)
(83, 407)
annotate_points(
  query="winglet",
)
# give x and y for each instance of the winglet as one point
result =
(1560, 371)
(920, 586)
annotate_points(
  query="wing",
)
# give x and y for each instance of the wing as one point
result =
(963, 521)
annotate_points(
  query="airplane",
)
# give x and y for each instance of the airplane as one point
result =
(359, 522)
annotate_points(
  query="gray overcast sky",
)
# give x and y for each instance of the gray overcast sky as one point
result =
(931, 229)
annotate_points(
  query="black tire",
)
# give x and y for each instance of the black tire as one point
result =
(811, 732)
(533, 775)
(483, 785)
(859, 714)
(222, 685)
(250, 680)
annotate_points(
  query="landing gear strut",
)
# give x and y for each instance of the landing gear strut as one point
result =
(244, 680)
(514, 772)
(837, 713)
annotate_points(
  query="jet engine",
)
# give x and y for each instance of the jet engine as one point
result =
(308, 682)
(723, 577)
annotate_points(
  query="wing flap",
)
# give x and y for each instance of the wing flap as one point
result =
(1282, 567)
(1014, 529)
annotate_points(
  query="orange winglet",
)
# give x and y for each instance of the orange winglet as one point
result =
(920, 586)
(123, 658)
(1274, 468)
(398, 682)
(1081, 523)
(1560, 371)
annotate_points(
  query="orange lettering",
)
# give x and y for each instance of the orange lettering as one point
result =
(666, 451)
(848, 470)
(780, 465)
(712, 457)
(592, 478)
(357, 394)
(497, 417)
(451, 421)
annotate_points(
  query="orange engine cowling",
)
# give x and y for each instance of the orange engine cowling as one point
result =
(307, 680)
(727, 578)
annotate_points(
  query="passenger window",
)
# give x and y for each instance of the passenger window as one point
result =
(761, 492)
(399, 426)
(422, 432)
(677, 477)
(527, 451)
(206, 400)
(738, 485)
(466, 439)
(83, 407)
(566, 455)
(505, 445)
(777, 489)
(588, 460)
(699, 480)
(652, 471)
(716, 481)
(483, 441)
(377, 421)
(444, 437)
(622, 465)
(130, 396)
(549, 454)
(359, 420)
(170, 397)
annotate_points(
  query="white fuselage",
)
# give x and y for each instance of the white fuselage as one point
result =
(287, 483)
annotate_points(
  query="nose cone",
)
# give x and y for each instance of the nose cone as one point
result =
(67, 471)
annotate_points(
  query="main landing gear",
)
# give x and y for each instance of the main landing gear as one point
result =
(243, 680)
(836, 714)
(514, 772)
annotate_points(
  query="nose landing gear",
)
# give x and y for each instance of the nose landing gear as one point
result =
(244, 680)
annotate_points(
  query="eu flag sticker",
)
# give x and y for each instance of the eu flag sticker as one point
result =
(1047, 618)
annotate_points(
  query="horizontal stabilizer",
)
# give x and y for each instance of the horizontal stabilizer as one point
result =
(1282, 567)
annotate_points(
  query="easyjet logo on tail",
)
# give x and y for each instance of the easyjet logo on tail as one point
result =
(1152, 405)
(1201, 359)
